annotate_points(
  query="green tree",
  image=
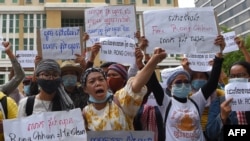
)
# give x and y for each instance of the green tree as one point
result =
(231, 57)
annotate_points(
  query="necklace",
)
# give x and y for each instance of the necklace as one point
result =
(46, 108)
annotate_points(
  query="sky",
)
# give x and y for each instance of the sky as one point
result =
(186, 3)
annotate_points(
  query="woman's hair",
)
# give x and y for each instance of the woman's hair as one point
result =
(244, 64)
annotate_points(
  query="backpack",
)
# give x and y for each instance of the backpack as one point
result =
(30, 105)
(3, 101)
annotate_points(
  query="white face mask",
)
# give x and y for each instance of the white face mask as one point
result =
(233, 80)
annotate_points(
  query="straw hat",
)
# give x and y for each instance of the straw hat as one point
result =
(70, 65)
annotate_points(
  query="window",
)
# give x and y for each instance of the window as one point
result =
(169, 1)
(2, 78)
(87, 0)
(144, 1)
(72, 22)
(14, 1)
(132, 1)
(107, 1)
(119, 1)
(75, 0)
(28, 23)
(2, 1)
(28, 44)
(41, 20)
(63, 0)
(28, 1)
(4, 28)
(15, 43)
(41, 1)
(157, 1)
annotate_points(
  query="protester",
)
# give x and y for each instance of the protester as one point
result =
(103, 113)
(71, 73)
(220, 112)
(26, 85)
(8, 110)
(182, 114)
(13, 83)
(52, 96)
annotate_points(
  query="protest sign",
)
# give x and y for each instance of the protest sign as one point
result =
(240, 92)
(26, 58)
(230, 43)
(181, 30)
(46, 126)
(59, 43)
(117, 47)
(200, 62)
(120, 136)
(110, 21)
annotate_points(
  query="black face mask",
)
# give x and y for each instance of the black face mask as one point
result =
(49, 86)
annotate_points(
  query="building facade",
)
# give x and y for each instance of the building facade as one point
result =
(20, 19)
(234, 14)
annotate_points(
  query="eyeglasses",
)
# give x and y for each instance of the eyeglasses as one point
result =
(238, 75)
(48, 76)
(181, 81)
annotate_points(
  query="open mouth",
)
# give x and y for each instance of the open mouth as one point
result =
(100, 91)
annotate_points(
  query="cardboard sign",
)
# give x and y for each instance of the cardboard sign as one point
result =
(47, 126)
(181, 30)
(230, 43)
(118, 47)
(59, 43)
(110, 21)
(200, 62)
(26, 58)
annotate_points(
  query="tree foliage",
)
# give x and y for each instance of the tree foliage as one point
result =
(235, 56)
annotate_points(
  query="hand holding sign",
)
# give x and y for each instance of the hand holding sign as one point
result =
(225, 109)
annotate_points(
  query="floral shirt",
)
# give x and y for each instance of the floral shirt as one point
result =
(117, 114)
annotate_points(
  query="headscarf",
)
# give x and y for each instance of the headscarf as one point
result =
(47, 65)
(174, 74)
(120, 69)
(87, 72)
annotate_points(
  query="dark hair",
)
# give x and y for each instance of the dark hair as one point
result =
(106, 64)
(244, 64)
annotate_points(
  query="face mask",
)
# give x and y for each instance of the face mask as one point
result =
(181, 90)
(49, 86)
(233, 80)
(115, 83)
(26, 89)
(93, 100)
(198, 83)
(69, 80)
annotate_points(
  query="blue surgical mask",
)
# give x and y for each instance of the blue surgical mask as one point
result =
(198, 83)
(181, 90)
(233, 80)
(93, 100)
(69, 80)
(26, 90)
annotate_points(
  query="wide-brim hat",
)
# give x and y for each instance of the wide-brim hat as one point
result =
(70, 65)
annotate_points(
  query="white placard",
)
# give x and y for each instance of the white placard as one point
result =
(200, 62)
(240, 92)
(60, 43)
(230, 43)
(110, 21)
(47, 126)
(117, 49)
(26, 58)
(181, 30)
